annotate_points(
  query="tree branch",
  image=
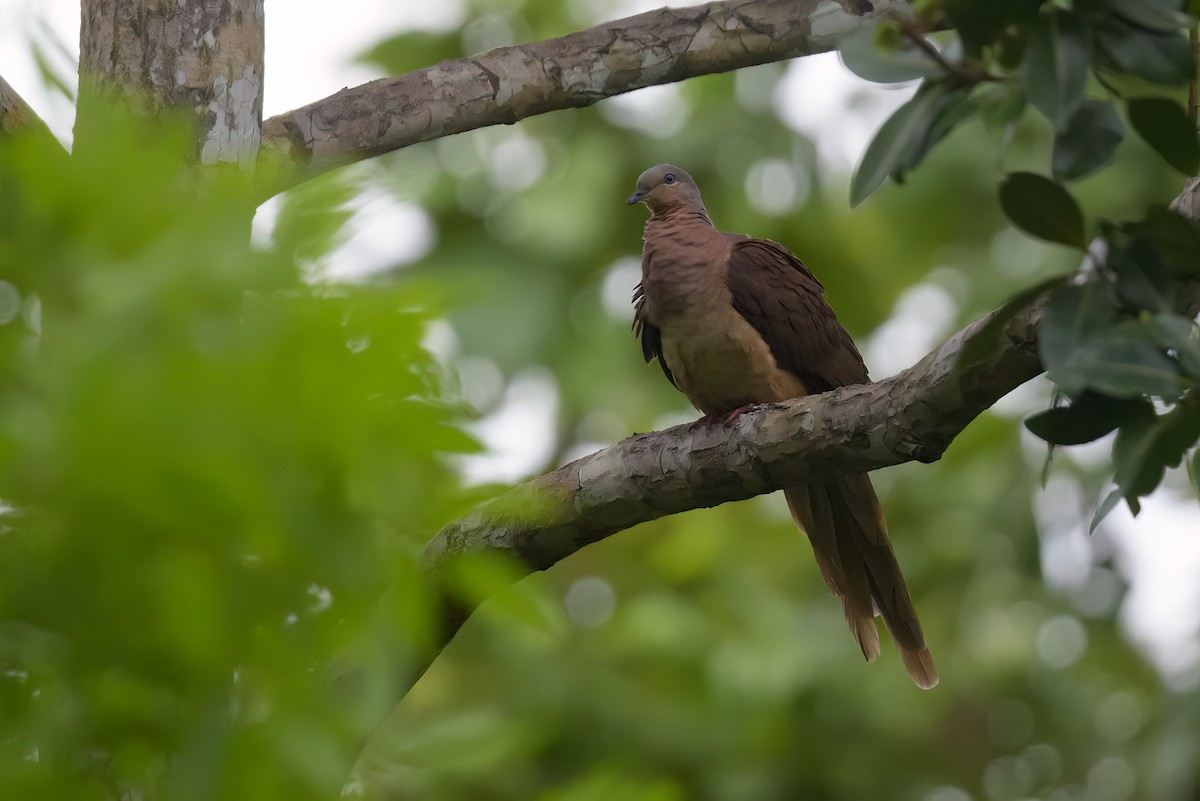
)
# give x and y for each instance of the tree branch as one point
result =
(509, 84)
(15, 113)
(193, 57)
(912, 416)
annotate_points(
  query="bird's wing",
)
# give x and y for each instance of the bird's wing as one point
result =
(649, 334)
(785, 303)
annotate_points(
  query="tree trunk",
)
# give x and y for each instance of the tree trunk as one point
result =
(200, 58)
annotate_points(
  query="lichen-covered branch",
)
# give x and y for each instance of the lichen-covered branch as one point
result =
(15, 113)
(509, 84)
(912, 416)
(196, 57)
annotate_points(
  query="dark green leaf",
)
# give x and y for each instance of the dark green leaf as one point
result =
(1193, 468)
(862, 56)
(1146, 446)
(1143, 282)
(1137, 471)
(1090, 417)
(1156, 15)
(1163, 58)
(999, 104)
(1043, 208)
(905, 130)
(1074, 316)
(1082, 349)
(1174, 238)
(953, 109)
(1088, 141)
(1124, 362)
(1056, 66)
(980, 23)
(984, 341)
(1165, 126)
(1177, 333)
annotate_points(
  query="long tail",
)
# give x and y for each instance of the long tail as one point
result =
(849, 537)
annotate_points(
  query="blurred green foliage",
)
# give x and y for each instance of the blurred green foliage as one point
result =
(211, 473)
(1122, 335)
(218, 478)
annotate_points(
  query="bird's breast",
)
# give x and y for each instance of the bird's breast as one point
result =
(718, 359)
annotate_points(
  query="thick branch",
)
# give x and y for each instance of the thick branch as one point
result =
(509, 84)
(15, 113)
(912, 416)
(195, 57)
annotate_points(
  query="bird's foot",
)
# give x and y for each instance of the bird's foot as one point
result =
(739, 411)
(709, 420)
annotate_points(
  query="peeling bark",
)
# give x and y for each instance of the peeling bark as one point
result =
(15, 113)
(201, 57)
(912, 416)
(509, 84)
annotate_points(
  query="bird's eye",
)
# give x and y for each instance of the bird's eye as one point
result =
(668, 178)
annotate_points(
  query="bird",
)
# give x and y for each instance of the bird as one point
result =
(736, 322)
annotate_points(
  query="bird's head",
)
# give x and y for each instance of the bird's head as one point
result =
(665, 188)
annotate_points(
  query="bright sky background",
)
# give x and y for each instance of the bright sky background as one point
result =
(309, 55)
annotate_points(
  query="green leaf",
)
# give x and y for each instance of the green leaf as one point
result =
(1107, 505)
(953, 109)
(980, 23)
(413, 50)
(1123, 362)
(1176, 333)
(1074, 316)
(1137, 471)
(1165, 126)
(1042, 208)
(999, 104)
(50, 75)
(1056, 64)
(1146, 446)
(1156, 15)
(1088, 141)
(907, 62)
(1090, 417)
(983, 342)
(1173, 237)
(1143, 282)
(1162, 58)
(898, 138)
(1193, 468)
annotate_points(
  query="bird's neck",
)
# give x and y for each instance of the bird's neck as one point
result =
(680, 214)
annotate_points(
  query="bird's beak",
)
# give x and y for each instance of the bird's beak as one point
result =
(635, 197)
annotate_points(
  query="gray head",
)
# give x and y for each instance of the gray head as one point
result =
(665, 188)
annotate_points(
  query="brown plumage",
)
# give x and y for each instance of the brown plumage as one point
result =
(736, 321)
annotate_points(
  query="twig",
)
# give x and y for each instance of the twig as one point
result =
(916, 35)
(1195, 38)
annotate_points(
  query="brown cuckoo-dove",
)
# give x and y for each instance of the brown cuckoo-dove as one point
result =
(736, 321)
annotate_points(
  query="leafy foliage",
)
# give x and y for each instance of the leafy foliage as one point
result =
(211, 473)
(1095, 339)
